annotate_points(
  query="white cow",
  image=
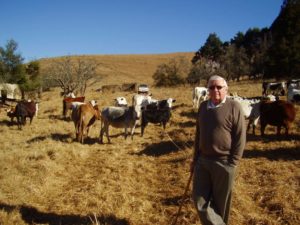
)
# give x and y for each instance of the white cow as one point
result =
(251, 109)
(118, 117)
(199, 94)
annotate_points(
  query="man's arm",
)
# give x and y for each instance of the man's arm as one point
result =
(238, 136)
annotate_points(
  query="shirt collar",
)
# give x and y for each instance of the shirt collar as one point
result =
(211, 105)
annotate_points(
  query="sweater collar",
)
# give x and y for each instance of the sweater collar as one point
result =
(211, 105)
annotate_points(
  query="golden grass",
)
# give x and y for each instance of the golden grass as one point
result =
(48, 178)
(116, 69)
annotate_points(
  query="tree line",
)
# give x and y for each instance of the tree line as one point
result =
(268, 53)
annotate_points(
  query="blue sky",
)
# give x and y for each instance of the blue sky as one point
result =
(51, 28)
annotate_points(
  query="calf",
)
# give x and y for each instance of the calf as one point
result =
(118, 117)
(279, 113)
(156, 112)
(84, 116)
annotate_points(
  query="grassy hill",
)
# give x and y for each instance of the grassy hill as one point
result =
(116, 69)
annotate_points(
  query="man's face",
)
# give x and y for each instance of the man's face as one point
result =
(217, 91)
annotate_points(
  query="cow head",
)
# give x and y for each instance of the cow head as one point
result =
(10, 111)
(170, 102)
(120, 101)
(97, 112)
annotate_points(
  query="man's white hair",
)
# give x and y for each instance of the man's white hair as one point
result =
(217, 77)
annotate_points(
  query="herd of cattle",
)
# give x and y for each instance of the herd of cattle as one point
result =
(144, 109)
(266, 108)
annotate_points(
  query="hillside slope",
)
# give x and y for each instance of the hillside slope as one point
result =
(126, 68)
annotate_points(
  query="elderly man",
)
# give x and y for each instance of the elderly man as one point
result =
(219, 144)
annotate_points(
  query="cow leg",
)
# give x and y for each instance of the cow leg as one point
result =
(133, 129)
(142, 130)
(101, 136)
(262, 129)
(82, 131)
(278, 130)
(24, 120)
(255, 122)
(287, 126)
(125, 132)
(101, 132)
(19, 122)
(79, 135)
(106, 128)
(164, 124)
(249, 124)
(87, 131)
(253, 129)
(143, 126)
(78, 132)
(131, 132)
(31, 119)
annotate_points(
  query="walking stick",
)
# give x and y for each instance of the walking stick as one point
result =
(184, 194)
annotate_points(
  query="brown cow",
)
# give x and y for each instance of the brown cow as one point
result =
(67, 103)
(23, 110)
(279, 113)
(83, 117)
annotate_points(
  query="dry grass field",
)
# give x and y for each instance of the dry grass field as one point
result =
(49, 178)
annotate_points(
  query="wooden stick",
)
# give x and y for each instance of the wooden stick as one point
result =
(183, 196)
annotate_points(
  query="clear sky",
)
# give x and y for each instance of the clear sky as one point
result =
(51, 28)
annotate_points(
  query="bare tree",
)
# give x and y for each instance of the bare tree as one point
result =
(73, 75)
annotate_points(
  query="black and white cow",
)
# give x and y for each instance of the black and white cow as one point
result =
(274, 88)
(156, 112)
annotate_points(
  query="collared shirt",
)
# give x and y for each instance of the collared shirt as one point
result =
(211, 105)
